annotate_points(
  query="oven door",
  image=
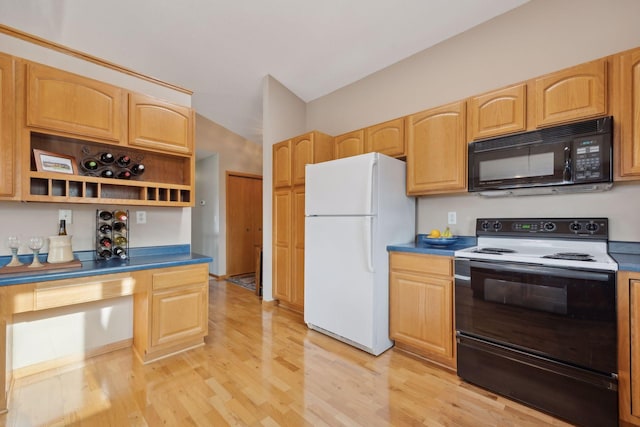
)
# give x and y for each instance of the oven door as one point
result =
(562, 314)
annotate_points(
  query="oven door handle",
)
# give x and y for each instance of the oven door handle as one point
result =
(541, 270)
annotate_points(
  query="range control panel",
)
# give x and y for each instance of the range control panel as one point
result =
(586, 228)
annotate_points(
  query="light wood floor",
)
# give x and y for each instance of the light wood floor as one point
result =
(260, 366)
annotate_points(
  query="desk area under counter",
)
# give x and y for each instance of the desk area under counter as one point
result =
(164, 291)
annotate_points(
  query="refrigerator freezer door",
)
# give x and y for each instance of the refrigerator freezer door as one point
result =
(342, 187)
(339, 285)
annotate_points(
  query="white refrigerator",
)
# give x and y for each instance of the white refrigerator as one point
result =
(354, 208)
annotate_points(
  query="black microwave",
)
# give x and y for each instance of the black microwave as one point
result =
(574, 155)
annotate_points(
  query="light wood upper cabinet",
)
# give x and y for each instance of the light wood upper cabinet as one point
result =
(499, 112)
(386, 138)
(421, 306)
(7, 127)
(572, 94)
(66, 102)
(627, 120)
(437, 150)
(282, 242)
(310, 148)
(349, 144)
(160, 125)
(282, 164)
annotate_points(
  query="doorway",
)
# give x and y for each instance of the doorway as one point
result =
(244, 222)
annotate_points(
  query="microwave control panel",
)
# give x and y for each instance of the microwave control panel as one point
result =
(588, 159)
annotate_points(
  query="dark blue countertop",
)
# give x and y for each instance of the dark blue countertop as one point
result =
(139, 259)
(626, 254)
(424, 248)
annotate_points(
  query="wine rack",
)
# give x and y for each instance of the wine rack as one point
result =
(112, 234)
(106, 164)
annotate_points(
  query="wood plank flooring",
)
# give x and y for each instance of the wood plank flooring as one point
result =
(260, 366)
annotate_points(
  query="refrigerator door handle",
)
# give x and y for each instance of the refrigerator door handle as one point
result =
(369, 201)
(368, 242)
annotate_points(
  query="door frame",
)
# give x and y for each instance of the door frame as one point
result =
(229, 173)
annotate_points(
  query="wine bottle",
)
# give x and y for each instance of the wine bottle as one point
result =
(105, 254)
(123, 161)
(120, 240)
(119, 227)
(106, 158)
(62, 230)
(118, 251)
(137, 169)
(105, 215)
(124, 174)
(120, 215)
(90, 164)
(105, 229)
(107, 173)
(106, 242)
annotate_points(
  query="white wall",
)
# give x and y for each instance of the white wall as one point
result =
(220, 151)
(283, 117)
(539, 37)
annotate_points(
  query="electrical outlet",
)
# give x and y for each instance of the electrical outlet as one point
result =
(66, 214)
(451, 218)
(141, 217)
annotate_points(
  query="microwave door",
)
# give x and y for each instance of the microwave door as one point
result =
(522, 166)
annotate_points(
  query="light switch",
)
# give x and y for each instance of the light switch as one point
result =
(66, 214)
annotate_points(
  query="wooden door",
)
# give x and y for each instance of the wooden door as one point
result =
(302, 155)
(244, 206)
(573, 94)
(437, 150)
(349, 144)
(160, 125)
(70, 103)
(297, 275)
(282, 240)
(282, 175)
(386, 138)
(498, 112)
(7, 140)
(628, 116)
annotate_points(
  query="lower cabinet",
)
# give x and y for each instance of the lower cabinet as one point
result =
(629, 347)
(421, 306)
(170, 315)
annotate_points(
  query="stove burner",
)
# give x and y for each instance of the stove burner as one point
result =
(572, 256)
(494, 251)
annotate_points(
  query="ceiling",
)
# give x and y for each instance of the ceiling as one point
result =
(222, 49)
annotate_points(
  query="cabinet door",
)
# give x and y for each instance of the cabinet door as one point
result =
(160, 125)
(297, 271)
(7, 123)
(498, 112)
(576, 93)
(282, 164)
(628, 104)
(437, 150)
(634, 340)
(70, 103)
(302, 155)
(386, 138)
(421, 313)
(282, 244)
(178, 314)
(349, 144)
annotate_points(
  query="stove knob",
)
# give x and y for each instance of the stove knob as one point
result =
(549, 226)
(497, 225)
(575, 226)
(592, 227)
(485, 225)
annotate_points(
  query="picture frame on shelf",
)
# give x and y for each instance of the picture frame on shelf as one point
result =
(54, 162)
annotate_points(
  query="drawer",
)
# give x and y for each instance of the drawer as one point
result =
(180, 276)
(60, 293)
(421, 263)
